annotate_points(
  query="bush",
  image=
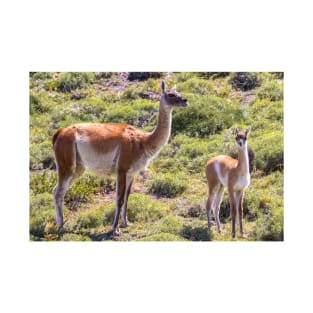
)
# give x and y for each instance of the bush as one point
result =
(168, 185)
(41, 202)
(270, 227)
(213, 75)
(103, 75)
(86, 219)
(40, 75)
(74, 80)
(244, 81)
(83, 110)
(163, 237)
(271, 90)
(41, 156)
(269, 151)
(42, 182)
(143, 75)
(42, 215)
(196, 85)
(39, 103)
(141, 209)
(196, 231)
(170, 224)
(74, 237)
(206, 116)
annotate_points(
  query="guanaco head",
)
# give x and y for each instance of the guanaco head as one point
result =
(242, 137)
(172, 98)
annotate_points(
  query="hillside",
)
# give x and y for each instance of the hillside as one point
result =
(167, 202)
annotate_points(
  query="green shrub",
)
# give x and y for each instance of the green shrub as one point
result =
(213, 75)
(270, 227)
(170, 224)
(244, 81)
(143, 75)
(103, 75)
(40, 75)
(271, 90)
(269, 151)
(196, 231)
(41, 182)
(74, 237)
(83, 110)
(196, 85)
(41, 202)
(39, 103)
(163, 237)
(168, 185)
(42, 215)
(86, 219)
(81, 190)
(206, 116)
(73, 80)
(184, 76)
(141, 209)
(41, 156)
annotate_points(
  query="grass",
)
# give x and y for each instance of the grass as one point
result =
(169, 205)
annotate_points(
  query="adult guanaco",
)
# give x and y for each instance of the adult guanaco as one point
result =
(105, 148)
(224, 171)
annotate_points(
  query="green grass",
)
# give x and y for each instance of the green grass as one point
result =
(168, 205)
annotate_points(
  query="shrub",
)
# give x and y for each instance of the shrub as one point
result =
(170, 224)
(196, 85)
(244, 81)
(196, 231)
(73, 80)
(213, 75)
(40, 75)
(168, 185)
(163, 237)
(41, 156)
(42, 215)
(103, 75)
(39, 103)
(206, 116)
(42, 182)
(269, 151)
(86, 219)
(41, 202)
(141, 208)
(74, 237)
(270, 90)
(143, 75)
(270, 227)
(183, 76)
(88, 109)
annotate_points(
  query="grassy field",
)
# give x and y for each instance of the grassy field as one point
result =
(168, 201)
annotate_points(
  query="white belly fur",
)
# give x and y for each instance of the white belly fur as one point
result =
(94, 161)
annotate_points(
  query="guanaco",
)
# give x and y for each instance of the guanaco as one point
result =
(224, 171)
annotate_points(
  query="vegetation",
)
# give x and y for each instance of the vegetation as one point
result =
(168, 202)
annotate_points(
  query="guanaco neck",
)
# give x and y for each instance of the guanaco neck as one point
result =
(160, 135)
(243, 161)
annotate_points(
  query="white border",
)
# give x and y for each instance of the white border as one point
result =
(164, 36)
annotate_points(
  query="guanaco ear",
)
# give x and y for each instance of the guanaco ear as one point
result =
(163, 86)
(248, 131)
(236, 131)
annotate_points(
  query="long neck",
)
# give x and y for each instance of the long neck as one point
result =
(243, 160)
(160, 135)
